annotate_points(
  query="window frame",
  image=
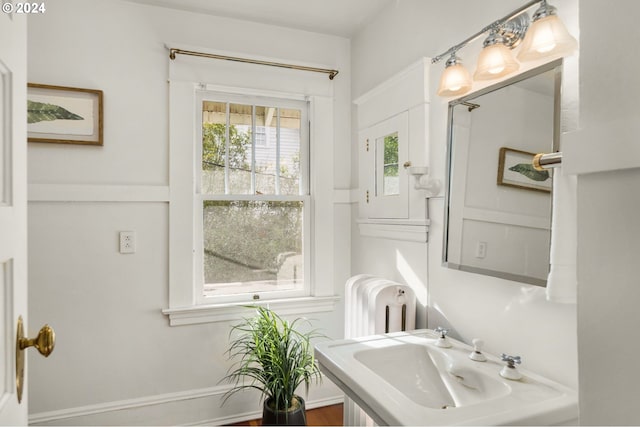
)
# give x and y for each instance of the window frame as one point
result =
(183, 309)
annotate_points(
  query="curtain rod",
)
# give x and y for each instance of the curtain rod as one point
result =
(173, 52)
(544, 161)
(494, 24)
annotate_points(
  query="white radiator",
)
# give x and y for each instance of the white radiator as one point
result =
(374, 305)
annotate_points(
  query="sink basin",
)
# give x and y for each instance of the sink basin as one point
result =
(404, 379)
(430, 377)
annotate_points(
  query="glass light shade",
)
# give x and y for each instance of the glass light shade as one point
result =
(547, 37)
(495, 61)
(455, 80)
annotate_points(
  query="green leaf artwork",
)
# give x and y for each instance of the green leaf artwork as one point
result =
(530, 172)
(40, 112)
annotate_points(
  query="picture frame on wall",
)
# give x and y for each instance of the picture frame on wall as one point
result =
(64, 115)
(515, 169)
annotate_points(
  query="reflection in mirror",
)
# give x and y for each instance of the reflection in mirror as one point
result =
(498, 207)
(387, 163)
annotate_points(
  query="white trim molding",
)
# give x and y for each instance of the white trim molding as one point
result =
(410, 230)
(97, 193)
(172, 408)
(344, 196)
(191, 315)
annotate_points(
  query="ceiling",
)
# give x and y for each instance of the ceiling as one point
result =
(336, 17)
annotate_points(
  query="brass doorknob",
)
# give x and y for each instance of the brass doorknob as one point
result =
(44, 343)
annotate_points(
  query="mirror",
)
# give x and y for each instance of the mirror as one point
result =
(497, 207)
(387, 172)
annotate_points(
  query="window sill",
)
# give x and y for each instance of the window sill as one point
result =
(225, 312)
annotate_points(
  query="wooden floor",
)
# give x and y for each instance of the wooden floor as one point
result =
(325, 416)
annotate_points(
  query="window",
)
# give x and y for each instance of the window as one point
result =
(387, 154)
(262, 139)
(251, 198)
(253, 193)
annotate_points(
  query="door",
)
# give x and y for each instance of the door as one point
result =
(13, 207)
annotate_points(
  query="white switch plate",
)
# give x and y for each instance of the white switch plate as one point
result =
(127, 242)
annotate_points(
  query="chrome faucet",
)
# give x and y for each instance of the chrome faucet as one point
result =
(510, 371)
(442, 340)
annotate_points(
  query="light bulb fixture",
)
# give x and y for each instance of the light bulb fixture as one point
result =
(547, 36)
(496, 59)
(455, 79)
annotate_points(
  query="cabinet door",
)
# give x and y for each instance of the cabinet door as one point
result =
(385, 180)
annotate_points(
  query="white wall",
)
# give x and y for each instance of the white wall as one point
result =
(116, 360)
(606, 154)
(510, 317)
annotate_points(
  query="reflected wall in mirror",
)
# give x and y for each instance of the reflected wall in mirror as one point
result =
(498, 208)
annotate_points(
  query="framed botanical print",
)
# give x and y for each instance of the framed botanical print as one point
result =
(64, 115)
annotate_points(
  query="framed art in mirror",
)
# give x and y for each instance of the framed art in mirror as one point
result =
(515, 169)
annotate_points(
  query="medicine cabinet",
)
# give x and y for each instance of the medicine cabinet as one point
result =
(393, 137)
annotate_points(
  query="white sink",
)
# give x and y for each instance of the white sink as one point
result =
(404, 379)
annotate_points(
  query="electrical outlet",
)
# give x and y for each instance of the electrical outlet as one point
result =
(481, 250)
(127, 242)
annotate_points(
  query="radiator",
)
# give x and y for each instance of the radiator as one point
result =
(374, 305)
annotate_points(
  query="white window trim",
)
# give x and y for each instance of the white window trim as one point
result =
(183, 303)
(232, 311)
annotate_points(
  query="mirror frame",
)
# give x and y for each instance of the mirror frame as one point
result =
(467, 100)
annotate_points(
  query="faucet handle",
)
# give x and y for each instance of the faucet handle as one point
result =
(441, 331)
(476, 355)
(511, 360)
(442, 340)
(510, 371)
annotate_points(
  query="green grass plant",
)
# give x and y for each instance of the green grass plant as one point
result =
(273, 356)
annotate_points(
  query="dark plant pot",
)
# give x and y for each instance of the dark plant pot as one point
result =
(293, 417)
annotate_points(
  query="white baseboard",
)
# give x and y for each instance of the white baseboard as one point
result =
(192, 407)
(317, 403)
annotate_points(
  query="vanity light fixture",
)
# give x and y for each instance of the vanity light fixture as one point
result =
(496, 59)
(546, 37)
(456, 79)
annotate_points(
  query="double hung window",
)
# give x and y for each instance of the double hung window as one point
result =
(252, 201)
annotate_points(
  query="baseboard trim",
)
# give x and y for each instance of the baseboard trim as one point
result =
(45, 417)
(318, 403)
(144, 403)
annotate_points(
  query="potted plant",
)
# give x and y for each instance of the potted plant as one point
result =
(271, 355)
